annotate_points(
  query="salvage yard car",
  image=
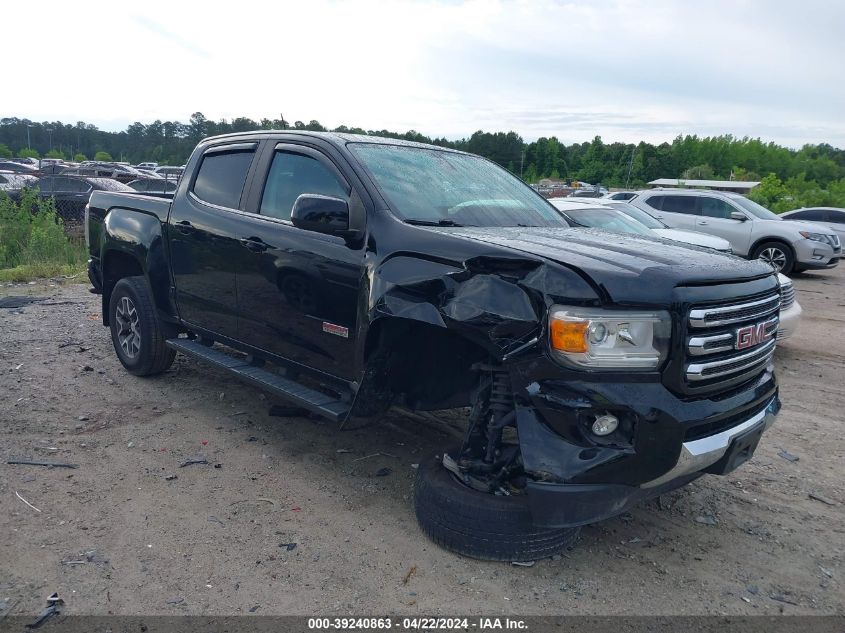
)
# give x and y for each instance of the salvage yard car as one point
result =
(350, 273)
(753, 231)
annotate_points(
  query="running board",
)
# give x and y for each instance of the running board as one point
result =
(305, 397)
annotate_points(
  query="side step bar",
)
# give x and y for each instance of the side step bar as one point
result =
(305, 397)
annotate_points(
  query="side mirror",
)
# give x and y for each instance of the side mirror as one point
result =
(321, 214)
(737, 215)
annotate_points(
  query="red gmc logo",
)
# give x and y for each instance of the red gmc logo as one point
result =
(752, 335)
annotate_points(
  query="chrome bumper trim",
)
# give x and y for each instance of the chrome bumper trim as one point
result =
(699, 454)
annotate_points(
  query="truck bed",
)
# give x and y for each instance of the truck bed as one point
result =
(104, 201)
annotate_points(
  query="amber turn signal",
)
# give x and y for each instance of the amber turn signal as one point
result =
(570, 336)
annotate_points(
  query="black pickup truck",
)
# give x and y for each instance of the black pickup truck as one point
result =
(350, 273)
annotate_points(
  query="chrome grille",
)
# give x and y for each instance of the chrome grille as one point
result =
(714, 332)
(734, 313)
(787, 296)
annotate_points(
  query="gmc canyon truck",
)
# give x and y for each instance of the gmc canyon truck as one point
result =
(350, 273)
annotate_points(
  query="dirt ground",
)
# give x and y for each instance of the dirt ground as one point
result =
(289, 516)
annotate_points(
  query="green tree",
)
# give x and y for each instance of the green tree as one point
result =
(28, 153)
(699, 172)
(79, 157)
(54, 153)
(5, 152)
(103, 157)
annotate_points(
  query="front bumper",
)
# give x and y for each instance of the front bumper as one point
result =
(576, 479)
(788, 321)
(816, 255)
(570, 505)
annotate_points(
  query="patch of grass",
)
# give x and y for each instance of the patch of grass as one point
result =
(33, 243)
(42, 270)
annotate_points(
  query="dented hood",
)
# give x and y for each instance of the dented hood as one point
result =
(620, 264)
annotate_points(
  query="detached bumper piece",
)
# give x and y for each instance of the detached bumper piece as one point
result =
(305, 397)
(570, 505)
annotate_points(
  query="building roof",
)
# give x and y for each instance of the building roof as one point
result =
(709, 184)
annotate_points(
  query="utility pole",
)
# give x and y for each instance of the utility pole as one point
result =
(49, 131)
(630, 167)
(521, 164)
(28, 146)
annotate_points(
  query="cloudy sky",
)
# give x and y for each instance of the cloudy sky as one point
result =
(626, 70)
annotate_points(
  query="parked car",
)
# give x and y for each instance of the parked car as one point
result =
(384, 272)
(156, 186)
(622, 217)
(71, 194)
(170, 173)
(18, 168)
(53, 169)
(32, 162)
(753, 231)
(620, 195)
(121, 173)
(790, 310)
(151, 166)
(833, 217)
(12, 183)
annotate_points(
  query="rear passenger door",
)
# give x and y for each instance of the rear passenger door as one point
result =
(679, 212)
(715, 219)
(298, 293)
(204, 234)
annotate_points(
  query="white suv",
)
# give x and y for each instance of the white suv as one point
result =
(753, 231)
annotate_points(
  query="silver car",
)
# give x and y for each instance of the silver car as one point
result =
(790, 310)
(579, 210)
(753, 231)
(831, 216)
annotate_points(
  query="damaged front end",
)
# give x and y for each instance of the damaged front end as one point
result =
(569, 405)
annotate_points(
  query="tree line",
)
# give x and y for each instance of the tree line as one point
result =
(612, 164)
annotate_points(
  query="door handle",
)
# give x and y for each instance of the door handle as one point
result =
(659, 217)
(702, 223)
(184, 227)
(255, 244)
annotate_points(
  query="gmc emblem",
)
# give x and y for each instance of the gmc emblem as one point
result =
(752, 335)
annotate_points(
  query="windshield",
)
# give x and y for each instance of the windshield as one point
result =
(608, 219)
(643, 217)
(429, 186)
(755, 209)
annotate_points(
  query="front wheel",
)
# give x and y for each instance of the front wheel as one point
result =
(777, 254)
(479, 524)
(136, 331)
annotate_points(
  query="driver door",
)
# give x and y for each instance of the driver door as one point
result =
(298, 289)
(715, 219)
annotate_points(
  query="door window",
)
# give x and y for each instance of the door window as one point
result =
(221, 177)
(837, 216)
(815, 215)
(654, 202)
(290, 176)
(715, 208)
(679, 204)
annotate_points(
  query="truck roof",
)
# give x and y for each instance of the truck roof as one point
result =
(337, 138)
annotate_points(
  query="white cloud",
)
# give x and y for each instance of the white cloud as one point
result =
(625, 70)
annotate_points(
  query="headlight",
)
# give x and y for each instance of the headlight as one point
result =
(816, 237)
(608, 339)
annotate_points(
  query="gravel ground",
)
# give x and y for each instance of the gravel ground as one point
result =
(289, 516)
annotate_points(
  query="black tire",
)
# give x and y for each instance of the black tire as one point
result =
(481, 525)
(136, 332)
(776, 253)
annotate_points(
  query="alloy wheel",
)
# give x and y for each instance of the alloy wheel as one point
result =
(774, 256)
(128, 335)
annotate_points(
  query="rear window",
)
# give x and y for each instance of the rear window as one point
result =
(679, 204)
(221, 177)
(654, 202)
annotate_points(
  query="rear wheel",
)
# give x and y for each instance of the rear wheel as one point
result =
(777, 254)
(136, 331)
(481, 524)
